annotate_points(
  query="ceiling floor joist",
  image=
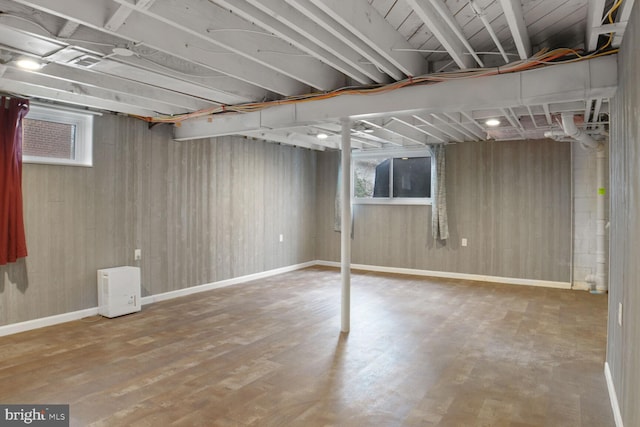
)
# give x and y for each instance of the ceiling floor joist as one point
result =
(174, 42)
(316, 40)
(515, 19)
(371, 56)
(359, 17)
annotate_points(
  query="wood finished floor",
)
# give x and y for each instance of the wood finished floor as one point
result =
(421, 352)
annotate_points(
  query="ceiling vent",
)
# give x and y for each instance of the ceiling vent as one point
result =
(85, 61)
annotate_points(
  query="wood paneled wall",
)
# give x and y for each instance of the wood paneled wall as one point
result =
(623, 346)
(510, 200)
(201, 211)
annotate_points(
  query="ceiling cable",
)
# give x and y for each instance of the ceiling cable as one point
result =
(542, 58)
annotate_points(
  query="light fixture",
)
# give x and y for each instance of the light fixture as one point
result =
(322, 135)
(368, 130)
(492, 122)
(29, 64)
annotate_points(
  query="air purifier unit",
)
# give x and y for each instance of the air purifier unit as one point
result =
(118, 291)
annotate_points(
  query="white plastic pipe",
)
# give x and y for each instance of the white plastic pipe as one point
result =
(345, 230)
(572, 130)
(597, 281)
(601, 237)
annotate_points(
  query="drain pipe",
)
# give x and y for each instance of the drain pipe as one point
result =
(598, 281)
(601, 237)
(570, 129)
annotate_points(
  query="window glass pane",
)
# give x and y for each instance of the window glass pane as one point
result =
(371, 178)
(381, 187)
(48, 139)
(412, 177)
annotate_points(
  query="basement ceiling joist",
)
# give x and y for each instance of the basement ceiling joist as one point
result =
(167, 58)
(233, 35)
(160, 36)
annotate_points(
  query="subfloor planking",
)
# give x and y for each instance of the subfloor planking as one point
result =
(421, 352)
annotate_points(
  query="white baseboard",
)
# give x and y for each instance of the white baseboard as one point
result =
(77, 315)
(617, 415)
(46, 321)
(224, 283)
(581, 286)
(448, 275)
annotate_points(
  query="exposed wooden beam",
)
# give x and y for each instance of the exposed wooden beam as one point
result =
(119, 85)
(439, 19)
(445, 121)
(325, 60)
(29, 84)
(68, 29)
(364, 21)
(122, 13)
(409, 123)
(317, 41)
(622, 17)
(173, 41)
(216, 88)
(289, 138)
(448, 135)
(347, 38)
(595, 10)
(214, 24)
(515, 19)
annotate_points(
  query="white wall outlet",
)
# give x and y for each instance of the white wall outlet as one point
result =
(281, 238)
(620, 313)
(464, 242)
(137, 254)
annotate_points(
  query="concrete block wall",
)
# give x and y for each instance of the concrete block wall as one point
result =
(584, 214)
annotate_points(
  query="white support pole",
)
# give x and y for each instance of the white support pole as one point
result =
(345, 230)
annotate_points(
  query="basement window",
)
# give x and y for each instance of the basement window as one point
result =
(402, 177)
(57, 136)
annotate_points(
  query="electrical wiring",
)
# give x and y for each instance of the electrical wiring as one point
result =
(609, 17)
(543, 58)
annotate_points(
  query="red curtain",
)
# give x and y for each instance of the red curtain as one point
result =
(13, 244)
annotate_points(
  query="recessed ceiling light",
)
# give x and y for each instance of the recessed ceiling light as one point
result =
(492, 122)
(322, 135)
(368, 130)
(28, 64)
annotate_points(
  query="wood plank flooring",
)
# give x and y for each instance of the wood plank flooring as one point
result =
(421, 352)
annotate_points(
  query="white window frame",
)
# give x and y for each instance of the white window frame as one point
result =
(83, 121)
(391, 154)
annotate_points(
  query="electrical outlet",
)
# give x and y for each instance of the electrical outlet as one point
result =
(464, 242)
(137, 254)
(281, 238)
(620, 314)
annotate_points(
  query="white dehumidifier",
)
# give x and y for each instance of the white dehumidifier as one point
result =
(118, 291)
